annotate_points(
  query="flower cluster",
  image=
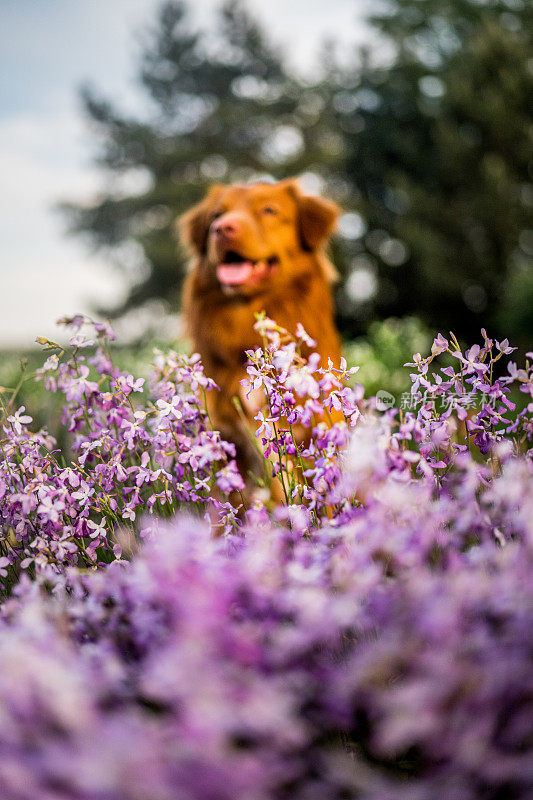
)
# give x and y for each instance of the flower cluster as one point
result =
(146, 446)
(369, 637)
(302, 396)
(137, 447)
(474, 383)
(308, 412)
(381, 658)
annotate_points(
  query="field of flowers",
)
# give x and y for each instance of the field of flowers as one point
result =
(168, 633)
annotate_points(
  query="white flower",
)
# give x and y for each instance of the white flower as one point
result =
(302, 334)
(18, 419)
(170, 409)
(98, 530)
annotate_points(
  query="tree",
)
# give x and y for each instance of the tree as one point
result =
(442, 159)
(227, 111)
(429, 151)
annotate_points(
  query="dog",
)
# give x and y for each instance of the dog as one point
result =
(254, 248)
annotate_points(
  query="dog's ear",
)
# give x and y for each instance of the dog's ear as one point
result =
(193, 226)
(317, 217)
(318, 220)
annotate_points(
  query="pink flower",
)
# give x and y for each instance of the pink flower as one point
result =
(471, 362)
(440, 344)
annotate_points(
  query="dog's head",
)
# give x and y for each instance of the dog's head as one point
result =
(248, 238)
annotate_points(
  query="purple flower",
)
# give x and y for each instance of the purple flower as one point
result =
(470, 360)
(420, 363)
(128, 384)
(229, 479)
(504, 348)
(440, 344)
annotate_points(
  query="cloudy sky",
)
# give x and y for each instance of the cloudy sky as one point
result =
(47, 49)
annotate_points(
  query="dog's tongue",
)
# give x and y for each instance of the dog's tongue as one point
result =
(235, 274)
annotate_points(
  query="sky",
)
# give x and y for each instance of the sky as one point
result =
(48, 48)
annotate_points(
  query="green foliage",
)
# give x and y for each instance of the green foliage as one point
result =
(443, 157)
(382, 353)
(431, 148)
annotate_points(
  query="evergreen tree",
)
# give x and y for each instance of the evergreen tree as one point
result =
(441, 154)
(429, 150)
(224, 110)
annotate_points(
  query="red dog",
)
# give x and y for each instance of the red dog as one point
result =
(255, 248)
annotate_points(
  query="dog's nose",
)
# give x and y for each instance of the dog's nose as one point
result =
(226, 226)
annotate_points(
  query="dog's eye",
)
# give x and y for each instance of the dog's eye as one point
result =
(269, 210)
(215, 216)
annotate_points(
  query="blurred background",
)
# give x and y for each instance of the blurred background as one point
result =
(416, 116)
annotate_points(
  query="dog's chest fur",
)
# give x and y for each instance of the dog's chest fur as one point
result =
(222, 327)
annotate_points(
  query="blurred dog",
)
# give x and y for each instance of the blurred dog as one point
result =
(255, 248)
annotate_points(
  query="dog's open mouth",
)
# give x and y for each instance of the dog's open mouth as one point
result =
(236, 270)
